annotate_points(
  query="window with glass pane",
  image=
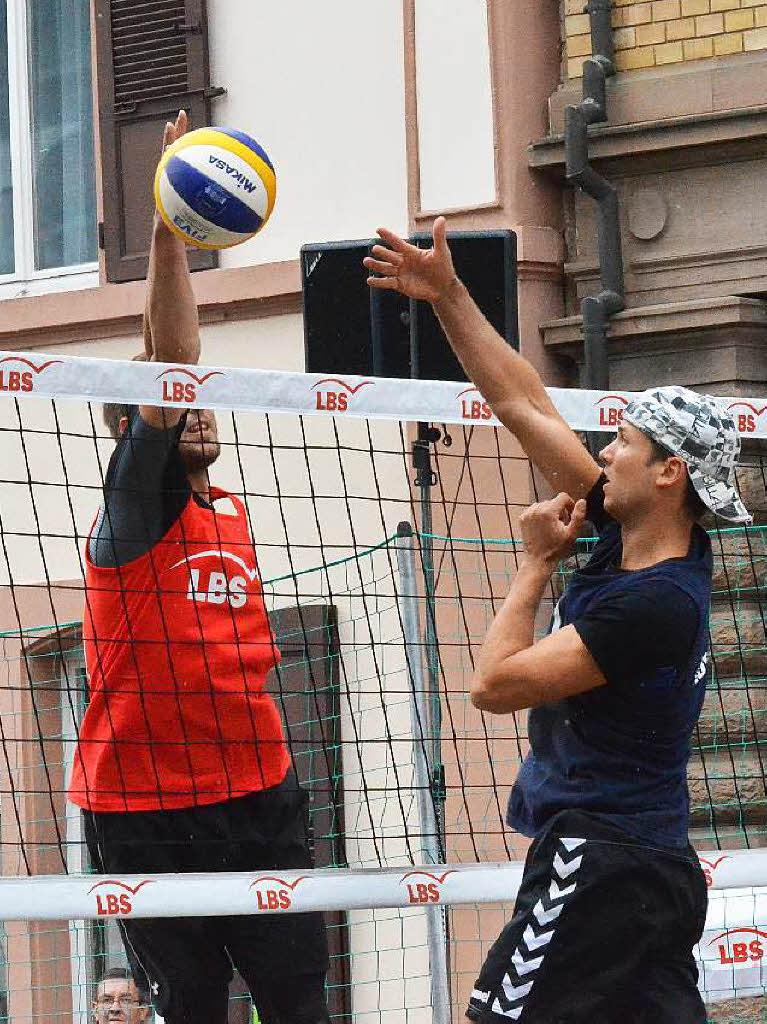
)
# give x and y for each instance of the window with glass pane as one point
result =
(7, 262)
(61, 113)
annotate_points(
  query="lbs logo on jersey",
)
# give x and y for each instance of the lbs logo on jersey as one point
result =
(214, 586)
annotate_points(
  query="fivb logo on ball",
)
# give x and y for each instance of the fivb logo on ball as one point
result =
(215, 187)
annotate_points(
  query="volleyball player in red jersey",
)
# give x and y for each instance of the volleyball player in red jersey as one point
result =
(181, 762)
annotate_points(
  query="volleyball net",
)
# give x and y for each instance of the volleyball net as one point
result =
(384, 515)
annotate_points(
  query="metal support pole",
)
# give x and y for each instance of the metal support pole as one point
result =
(430, 829)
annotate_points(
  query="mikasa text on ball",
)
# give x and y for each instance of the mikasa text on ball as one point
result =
(215, 187)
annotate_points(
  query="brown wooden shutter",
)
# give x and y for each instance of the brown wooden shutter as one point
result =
(307, 689)
(152, 60)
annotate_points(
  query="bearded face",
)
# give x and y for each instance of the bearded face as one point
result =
(198, 445)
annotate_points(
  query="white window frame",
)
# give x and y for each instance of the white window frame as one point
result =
(25, 280)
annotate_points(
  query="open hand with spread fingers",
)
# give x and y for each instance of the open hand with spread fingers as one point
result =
(550, 528)
(426, 274)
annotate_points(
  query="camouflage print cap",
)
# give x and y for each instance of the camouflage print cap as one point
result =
(702, 433)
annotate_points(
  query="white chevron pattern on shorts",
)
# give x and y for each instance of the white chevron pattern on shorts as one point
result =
(555, 893)
(525, 966)
(533, 941)
(481, 996)
(543, 916)
(513, 1014)
(514, 992)
(565, 870)
(522, 961)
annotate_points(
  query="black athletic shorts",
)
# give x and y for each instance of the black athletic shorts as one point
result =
(602, 933)
(187, 962)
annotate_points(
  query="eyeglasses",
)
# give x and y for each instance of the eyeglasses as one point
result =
(124, 1002)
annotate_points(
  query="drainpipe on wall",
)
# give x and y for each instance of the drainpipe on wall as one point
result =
(598, 309)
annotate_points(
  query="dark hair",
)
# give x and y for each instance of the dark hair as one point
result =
(693, 503)
(124, 974)
(113, 412)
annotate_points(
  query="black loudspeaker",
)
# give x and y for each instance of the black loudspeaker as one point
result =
(486, 262)
(351, 328)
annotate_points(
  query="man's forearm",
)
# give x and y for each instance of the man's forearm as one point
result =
(513, 629)
(500, 373)
(171, 307)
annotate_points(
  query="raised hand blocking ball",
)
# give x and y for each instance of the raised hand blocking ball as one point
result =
(215, 187)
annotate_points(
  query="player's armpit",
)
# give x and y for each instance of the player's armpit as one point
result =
(556, 667)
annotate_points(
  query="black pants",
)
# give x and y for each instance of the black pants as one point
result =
(603, 933)
(187, 962)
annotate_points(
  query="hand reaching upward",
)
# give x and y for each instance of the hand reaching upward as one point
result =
(172, 248)
(426, 274)
(174, 131)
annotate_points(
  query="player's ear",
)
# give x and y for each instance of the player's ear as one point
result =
(122, 424)
(672, 471)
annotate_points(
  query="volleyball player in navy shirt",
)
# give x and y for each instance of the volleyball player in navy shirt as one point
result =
(613, 899)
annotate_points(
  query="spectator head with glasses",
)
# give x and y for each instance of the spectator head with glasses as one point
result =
(118, 999)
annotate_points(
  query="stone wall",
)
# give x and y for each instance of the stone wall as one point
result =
(651, 34)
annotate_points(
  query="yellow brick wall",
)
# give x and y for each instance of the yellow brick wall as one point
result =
(649, 33)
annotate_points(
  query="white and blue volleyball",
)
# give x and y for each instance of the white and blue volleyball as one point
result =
(215, 187)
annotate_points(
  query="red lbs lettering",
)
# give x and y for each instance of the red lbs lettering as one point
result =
(175, 391)
(475, 410)
(332, 401)
(746, 423)
(272, 899)
(107, 904)
(741, 952)
(14, 380)
(421, 893)
(610, 417)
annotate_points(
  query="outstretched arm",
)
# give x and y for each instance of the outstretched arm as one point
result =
(171, 323)
(509, 383)
(146, 487)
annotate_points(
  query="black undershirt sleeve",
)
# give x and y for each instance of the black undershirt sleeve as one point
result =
(595, 506)
(633, 634)
(145, 491)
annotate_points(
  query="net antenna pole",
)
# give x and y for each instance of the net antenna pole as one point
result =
(431, 839)
(425, 479)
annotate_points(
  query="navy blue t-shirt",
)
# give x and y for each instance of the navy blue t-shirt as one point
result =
(620, 751)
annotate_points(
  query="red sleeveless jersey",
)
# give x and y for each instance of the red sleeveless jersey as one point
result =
(177, 648)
